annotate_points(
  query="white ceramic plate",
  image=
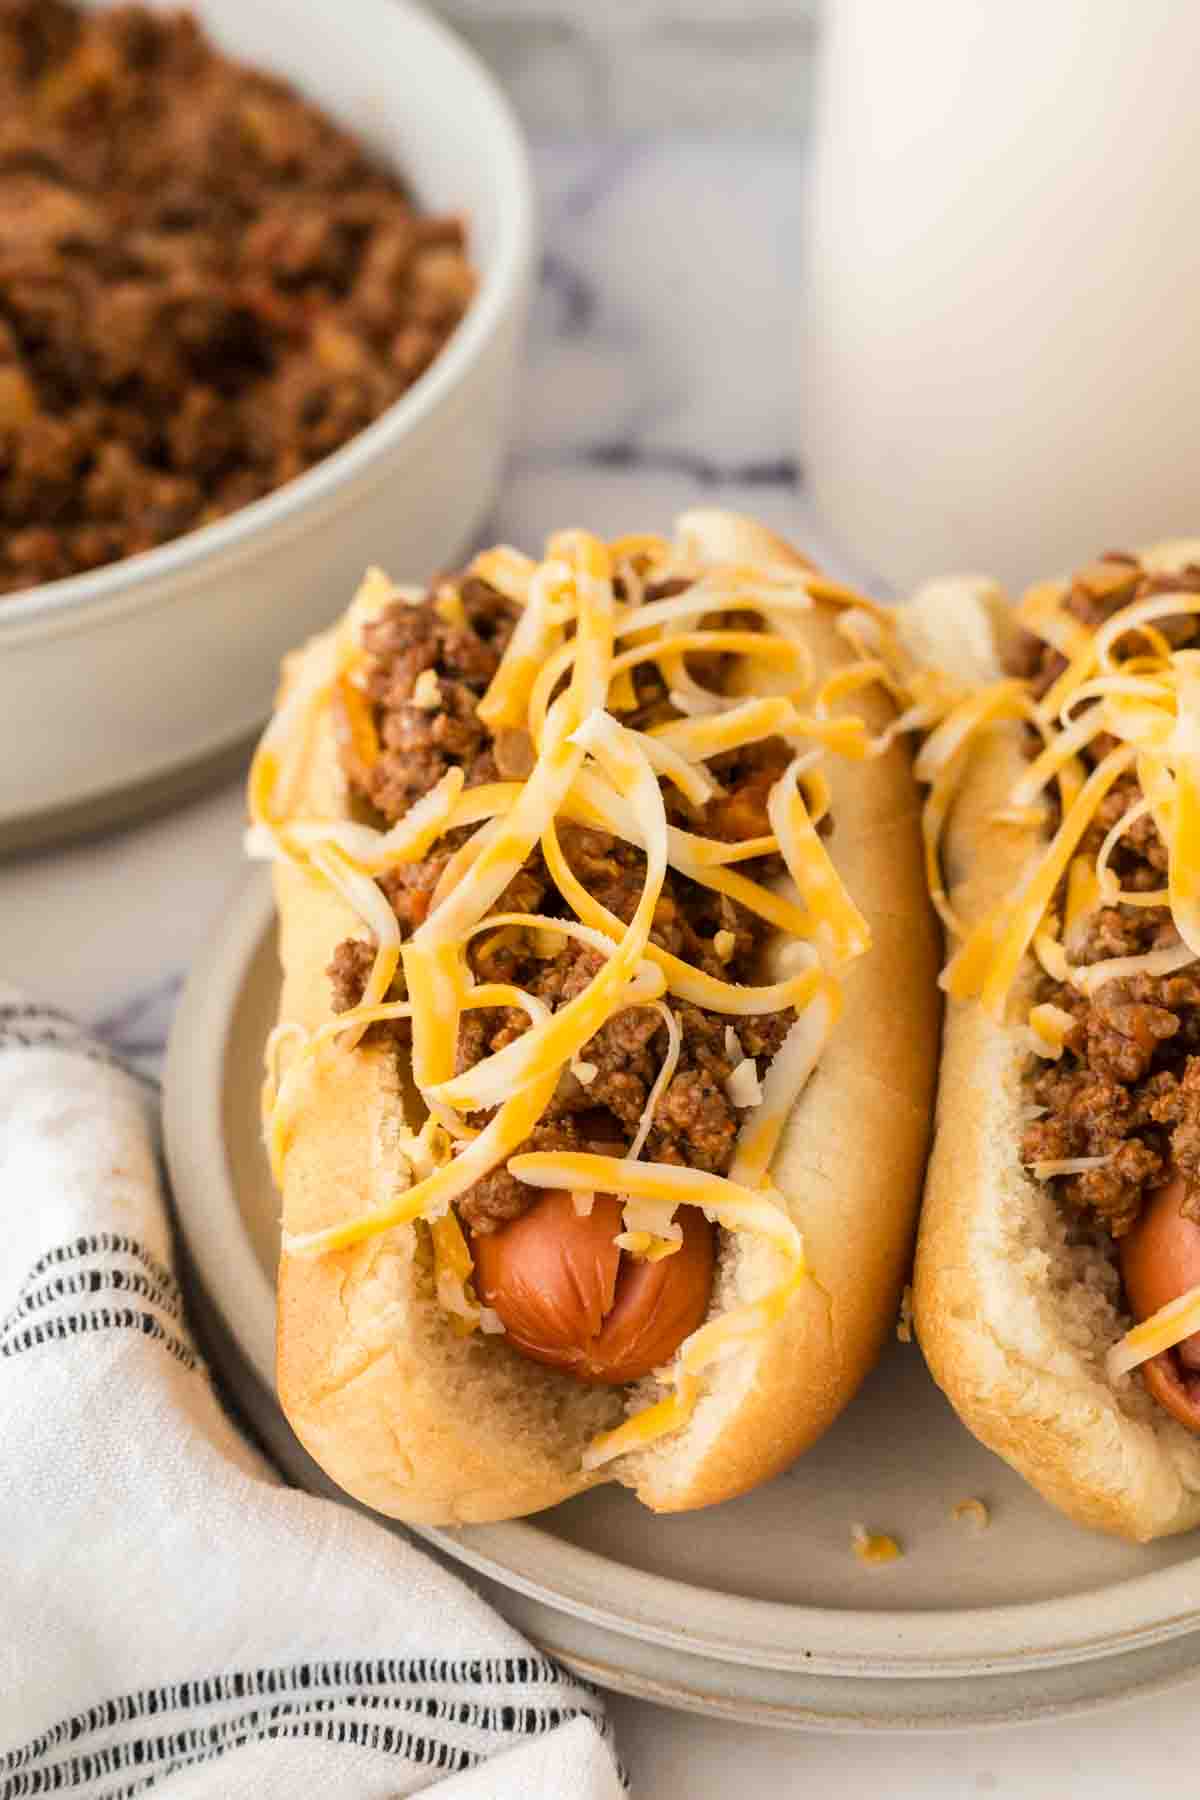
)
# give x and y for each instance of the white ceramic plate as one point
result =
(757, 1608)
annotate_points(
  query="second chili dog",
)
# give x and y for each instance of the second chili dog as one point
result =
(1057, 1285)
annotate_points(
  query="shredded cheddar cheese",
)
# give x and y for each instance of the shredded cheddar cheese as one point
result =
(841, 928)
(1147, 706)
(1023, 917)
(1083, 894)
(1178, 1319)
(584, 628)
(1048, 1028)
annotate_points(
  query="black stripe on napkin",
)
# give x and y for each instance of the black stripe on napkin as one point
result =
(61, 1327)
(53, 1279)
(329, 1674)
(316, 1692)
(87, 1282)
(167, 1293)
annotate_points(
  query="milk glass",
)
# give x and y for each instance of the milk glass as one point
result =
(1001, 356)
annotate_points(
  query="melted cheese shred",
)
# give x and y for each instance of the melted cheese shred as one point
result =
(1009, 934)
(841, 928)
(507, 699)
(589, 620)
(1177, 1320)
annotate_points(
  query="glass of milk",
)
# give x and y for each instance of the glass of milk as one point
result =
(1002, 348)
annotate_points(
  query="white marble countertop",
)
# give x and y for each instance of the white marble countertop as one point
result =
(659, 377)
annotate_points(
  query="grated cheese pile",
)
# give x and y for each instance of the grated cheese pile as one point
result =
(591, 768)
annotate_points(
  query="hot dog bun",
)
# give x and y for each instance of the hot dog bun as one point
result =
(1015, 1321)
(436, 1428)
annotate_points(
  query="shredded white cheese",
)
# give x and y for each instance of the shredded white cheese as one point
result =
(1068, 1165)
(743, 1086)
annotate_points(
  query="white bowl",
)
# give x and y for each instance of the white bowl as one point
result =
(117, 680)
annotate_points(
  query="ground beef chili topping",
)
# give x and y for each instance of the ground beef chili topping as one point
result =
(1098, 592)
(429, 663)
(1127, 1086)
(205, 285)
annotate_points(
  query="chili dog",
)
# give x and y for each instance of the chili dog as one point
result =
(1057, 1284)
(600, 1090)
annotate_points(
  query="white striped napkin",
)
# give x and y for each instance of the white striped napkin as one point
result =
(172, 1617)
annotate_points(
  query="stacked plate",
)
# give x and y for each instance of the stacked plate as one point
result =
(757, 1610)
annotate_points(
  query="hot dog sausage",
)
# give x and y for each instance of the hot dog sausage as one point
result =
(1160, 1259)
(568, 1296)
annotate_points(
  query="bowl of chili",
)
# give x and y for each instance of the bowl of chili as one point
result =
(263, 280)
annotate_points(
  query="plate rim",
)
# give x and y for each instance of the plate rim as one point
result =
(1135, 1613)
(960, 1705)
(689, 1682)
